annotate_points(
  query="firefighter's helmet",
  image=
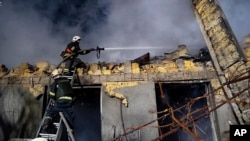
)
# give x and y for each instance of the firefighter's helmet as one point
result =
(76, 38)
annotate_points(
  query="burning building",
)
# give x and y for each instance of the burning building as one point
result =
(174, 96)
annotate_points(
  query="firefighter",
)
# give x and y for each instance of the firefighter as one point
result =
(74, 48)
(61, 93)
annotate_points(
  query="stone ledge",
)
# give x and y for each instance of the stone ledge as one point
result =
(98, 79)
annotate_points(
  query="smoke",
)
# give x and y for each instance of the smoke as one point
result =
(32, 31)
(148, 23)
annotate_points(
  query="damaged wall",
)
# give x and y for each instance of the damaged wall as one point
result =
(27, 81)
(176, 66)
(20, 112)
(231, 64)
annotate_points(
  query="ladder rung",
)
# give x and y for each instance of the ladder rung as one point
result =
(56, 124)
(69, 77)
(51, 136)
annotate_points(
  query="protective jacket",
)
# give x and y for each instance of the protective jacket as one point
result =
(61, 89)
(73, 47)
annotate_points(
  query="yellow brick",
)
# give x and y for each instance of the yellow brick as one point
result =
(135, 68)
(90, 72)
(97, 72)
(169, 64)
(94, 67)
(162, 69)
(135, 65)
(172, 69)
(189, 65)
(106, 72)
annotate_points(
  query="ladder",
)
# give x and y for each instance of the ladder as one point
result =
(52, 134)
(55, 132)
(59, 123)
(75, 80)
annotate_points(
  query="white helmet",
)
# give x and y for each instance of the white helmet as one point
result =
(76, 38)
(56, 72)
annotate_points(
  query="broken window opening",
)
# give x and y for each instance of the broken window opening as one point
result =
(183, 112)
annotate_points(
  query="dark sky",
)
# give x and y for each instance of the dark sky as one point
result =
(38, 30)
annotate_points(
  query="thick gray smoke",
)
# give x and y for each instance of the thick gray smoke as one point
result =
(32, 31)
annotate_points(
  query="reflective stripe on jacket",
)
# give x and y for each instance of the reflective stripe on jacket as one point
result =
(62, 89)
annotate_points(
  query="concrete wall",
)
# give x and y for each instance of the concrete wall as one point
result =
(20, 112)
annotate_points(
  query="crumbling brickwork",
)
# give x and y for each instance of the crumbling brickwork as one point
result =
(227, 55)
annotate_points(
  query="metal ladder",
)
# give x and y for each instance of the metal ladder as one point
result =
(73, 78)
(56, 133)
